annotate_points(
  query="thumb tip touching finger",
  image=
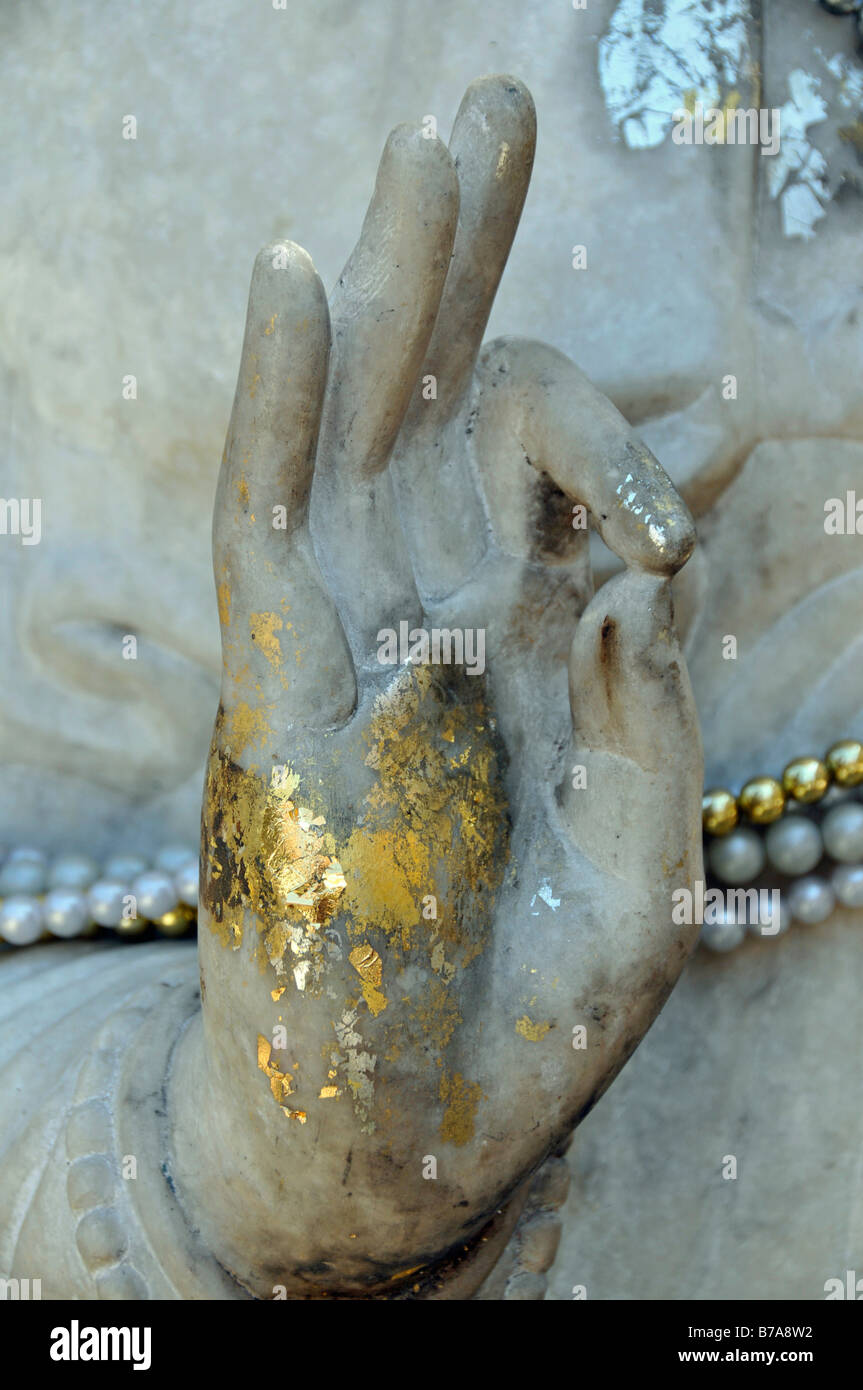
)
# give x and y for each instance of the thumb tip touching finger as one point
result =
(635, 739)
(629, 687)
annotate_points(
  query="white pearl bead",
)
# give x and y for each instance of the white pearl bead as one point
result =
(22, 876)
(793, 845)
(155, 894)
(186, 883)
(21, 920)
(72, 871)
(65, 912)
(122, 868)
(737, 857)
(842, 829)
(847, 880)
(105, 902)
(811, 900)
(724, 934)
(172, 857)
(21, 852)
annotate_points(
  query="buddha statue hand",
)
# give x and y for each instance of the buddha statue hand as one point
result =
(450, 791)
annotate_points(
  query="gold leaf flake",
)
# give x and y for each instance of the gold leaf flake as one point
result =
(533, 1032)
(367, 963)
(461, 1099)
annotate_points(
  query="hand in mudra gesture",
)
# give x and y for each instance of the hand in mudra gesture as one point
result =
(436, 897)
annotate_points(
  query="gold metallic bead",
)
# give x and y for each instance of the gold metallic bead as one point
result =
(176, 922)
(845, 761)
(132, 926)
(762, 800)
(718, 811)
(806, 779)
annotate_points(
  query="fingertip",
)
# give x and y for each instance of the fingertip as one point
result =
(504, 103)
(284, 254)
(280, 386)
(673, 540)
(412, 151)
(493, 141)
(623, 645)
(288, 315)
(625, 619)
(630, 695)
(647, 523)
(287, 269)
(413, 213)
(634, 723)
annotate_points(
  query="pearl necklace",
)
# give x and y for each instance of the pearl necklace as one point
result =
(72, 897)
(791, 824)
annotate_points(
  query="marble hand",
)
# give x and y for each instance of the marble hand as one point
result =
(451, 790)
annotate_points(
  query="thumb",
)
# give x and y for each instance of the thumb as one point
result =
(632, 797)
